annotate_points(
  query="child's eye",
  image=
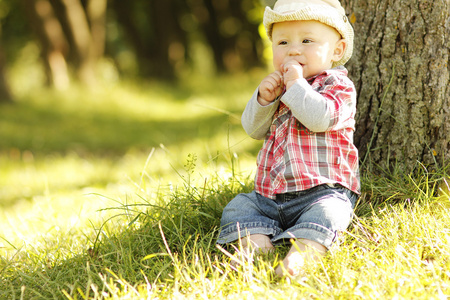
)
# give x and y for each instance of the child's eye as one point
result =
(306, 41)
(282, 43)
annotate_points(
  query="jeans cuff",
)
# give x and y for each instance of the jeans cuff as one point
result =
(234, 232)
(312, 232)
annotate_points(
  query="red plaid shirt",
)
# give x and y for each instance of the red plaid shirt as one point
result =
(295, 158)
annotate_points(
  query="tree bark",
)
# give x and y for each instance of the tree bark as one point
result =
(401, 72)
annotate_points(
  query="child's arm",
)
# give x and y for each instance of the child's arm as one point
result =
(333, 107)
(257, 116)
(270, 88)
(256, 119)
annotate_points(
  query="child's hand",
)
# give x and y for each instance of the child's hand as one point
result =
(270, 88)
(292, 71)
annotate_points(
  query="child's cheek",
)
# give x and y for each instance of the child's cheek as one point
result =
(278, 62)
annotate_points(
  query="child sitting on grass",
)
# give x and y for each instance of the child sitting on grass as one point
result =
(307, 178)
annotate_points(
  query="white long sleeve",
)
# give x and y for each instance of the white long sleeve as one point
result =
(256, 119)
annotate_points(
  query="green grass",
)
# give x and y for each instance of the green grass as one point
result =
(117, 194)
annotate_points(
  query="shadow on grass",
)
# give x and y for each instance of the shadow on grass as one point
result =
(113, 119)
(45, 131)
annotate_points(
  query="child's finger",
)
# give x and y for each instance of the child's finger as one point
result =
(278, 77)
(291, 65)
(275, 79)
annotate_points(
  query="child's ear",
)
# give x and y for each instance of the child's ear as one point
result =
(339, 50)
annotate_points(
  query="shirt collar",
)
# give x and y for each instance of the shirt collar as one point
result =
(336, 70)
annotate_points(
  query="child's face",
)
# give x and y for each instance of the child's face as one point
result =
(314, 45)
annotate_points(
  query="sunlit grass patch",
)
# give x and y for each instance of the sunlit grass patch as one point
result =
(129, 240)
(163, 246)
(117, 194)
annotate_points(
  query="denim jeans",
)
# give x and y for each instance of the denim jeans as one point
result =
(318, 214)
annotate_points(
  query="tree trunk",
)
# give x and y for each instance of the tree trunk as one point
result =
(233, 39)
(158, 40)
(401, 72)
(83, 42)
(209, 20)
(96, 12)
(248, 43)
(52, 40)
(126, 18)
(5, 94)
(169, 44)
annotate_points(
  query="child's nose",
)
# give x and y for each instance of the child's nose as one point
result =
(295, 50)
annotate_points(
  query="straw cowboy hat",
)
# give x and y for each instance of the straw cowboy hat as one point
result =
(329, 12)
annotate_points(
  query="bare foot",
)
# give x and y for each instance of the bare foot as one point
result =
(300, 253)
(260, 243)
(248, 247)
(254, 244)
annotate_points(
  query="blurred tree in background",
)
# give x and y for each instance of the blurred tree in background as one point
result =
(141, 37)
(5, 94)
(70, 33)
(399, 66)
